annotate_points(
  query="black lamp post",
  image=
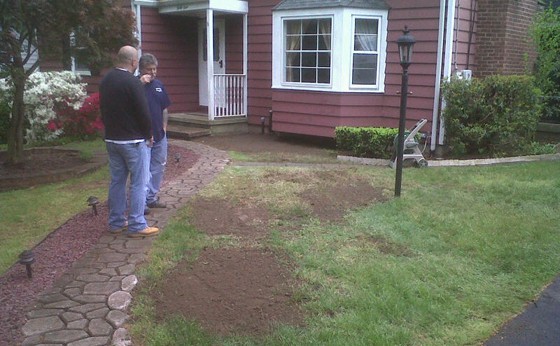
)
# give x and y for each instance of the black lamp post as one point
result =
(405, 42)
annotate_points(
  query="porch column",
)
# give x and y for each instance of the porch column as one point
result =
(245, 57)
(210, 61)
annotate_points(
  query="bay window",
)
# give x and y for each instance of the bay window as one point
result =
(339, 49)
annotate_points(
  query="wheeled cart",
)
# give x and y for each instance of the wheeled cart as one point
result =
(411, 149)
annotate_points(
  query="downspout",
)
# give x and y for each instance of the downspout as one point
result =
(139, 28)
(437, 89)
(245, 60)
(450, 28)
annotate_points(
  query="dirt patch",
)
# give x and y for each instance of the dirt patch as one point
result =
(231, 291)
(338, 195)
(272, 143)
(218, 217)
(246, 289)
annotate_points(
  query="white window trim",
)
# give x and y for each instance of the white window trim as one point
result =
(341, 47)
(74, 67)
(365, 86)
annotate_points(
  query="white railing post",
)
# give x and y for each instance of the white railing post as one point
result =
(229, 95)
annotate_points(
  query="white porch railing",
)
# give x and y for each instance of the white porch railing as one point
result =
(230, 95)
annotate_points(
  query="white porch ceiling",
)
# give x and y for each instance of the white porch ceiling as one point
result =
(192, 7)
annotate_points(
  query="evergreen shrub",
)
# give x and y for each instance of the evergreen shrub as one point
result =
(374, 142)
(494, 116)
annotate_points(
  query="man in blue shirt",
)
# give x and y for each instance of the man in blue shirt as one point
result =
(158, 101)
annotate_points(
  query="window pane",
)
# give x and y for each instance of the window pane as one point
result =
(324, 59)
(308, 75)
(366, 26)
(364, 77)
(325, 26)
(293, 59)
(309, 27)
(309, 43)
(365, 61)
(325, 42)
(324, 76)
(293, 27)
(293, 75)
(309, 59)
(293, 42)
(365, 43)
(365, 69)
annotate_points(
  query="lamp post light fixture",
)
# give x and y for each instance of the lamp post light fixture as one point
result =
(405, 43)
(27, 258)
(93, 202)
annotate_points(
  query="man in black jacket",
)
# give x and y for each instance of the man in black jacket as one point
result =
(128, 135)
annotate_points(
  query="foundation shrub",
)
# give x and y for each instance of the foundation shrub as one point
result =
(376, 142)
(495, 116)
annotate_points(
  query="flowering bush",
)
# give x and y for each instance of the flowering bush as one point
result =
(46, 94)
(83, 123)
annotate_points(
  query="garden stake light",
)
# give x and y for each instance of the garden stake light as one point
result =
(93, 202)
(27, 258)
(405, 42)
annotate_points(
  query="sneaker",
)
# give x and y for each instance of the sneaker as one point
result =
(120, 229)
(146, 211)
(157, 204)
(146, 232)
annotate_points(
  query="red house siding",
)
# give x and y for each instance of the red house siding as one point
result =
(319, 113)
(259, 76)
(173, 40)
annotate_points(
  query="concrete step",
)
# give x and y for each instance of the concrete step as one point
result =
(218, 126)
(186, 132)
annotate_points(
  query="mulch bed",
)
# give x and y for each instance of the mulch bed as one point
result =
(61, 248)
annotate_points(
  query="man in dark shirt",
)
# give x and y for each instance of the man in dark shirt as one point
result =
(158, 101)
(128, 133)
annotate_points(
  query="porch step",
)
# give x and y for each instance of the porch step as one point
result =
(219, 126)
(182, 131)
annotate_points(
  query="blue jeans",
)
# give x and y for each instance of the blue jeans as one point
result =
(125, 160)
(158, 160)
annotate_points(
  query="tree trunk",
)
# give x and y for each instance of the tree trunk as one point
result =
(15, 132)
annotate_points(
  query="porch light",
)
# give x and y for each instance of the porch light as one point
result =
(405, 43)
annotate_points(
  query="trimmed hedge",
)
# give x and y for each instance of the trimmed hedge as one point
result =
(374, 142)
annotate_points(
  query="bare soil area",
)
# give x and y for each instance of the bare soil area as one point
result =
(242, 290)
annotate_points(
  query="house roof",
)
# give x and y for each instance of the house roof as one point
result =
(303, 4)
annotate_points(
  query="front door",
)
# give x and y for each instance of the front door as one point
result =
(219, 56)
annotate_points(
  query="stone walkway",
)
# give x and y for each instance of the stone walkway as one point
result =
(88, 305)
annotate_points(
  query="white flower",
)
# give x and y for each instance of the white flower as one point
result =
(43, 92)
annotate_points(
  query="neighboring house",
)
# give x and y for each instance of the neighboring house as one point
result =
(319, 64)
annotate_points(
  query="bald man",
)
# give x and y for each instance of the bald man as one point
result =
(128, 135)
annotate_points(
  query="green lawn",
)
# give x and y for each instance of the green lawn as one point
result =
(464, 249)
(29, 215)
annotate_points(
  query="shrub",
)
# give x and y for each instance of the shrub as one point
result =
(546, 35)
(366, 141)
(494, 116)
(47, 93)
(84, 123)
